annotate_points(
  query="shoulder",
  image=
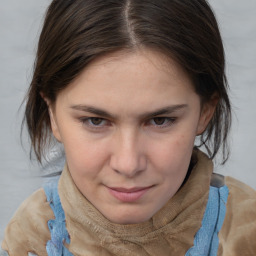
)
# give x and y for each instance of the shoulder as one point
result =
(241, 202)
(236, 186)
(28, 229)
(239, 227)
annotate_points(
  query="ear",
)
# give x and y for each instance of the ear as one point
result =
(207, 111)
(52, 115)
(54, 123)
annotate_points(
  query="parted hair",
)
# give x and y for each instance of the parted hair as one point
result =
(75, 32)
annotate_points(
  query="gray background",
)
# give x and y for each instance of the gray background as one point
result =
(20, 21)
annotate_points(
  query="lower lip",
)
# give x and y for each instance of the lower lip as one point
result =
(128, 197)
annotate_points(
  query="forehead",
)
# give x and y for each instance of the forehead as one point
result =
(130, 77)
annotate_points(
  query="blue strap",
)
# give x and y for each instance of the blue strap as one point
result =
(3, 253)
(223, 197)
(206, 241)
(57, 227)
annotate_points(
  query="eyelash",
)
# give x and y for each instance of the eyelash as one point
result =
(88, 121)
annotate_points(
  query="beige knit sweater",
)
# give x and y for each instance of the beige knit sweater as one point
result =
(169, 232)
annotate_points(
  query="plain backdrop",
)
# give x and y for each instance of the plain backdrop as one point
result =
(20, 22)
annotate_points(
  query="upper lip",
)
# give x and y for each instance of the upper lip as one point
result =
(129, 190)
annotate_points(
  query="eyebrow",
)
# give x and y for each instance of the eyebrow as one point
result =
(92, 110)
(103, 113)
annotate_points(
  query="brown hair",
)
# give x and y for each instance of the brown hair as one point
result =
(75, 32)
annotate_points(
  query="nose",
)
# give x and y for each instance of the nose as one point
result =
(128, 157)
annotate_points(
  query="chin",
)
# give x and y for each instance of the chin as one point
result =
(129, 217)
(130, 221)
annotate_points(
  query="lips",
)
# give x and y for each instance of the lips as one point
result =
(128, 195)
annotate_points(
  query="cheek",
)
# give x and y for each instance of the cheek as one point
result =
(175, 146)
(173, 155)
(85, 159)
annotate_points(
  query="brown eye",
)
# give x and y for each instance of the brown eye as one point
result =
(96, 124)
(160, 120)
(96, 121)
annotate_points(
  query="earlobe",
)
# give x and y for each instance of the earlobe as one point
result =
(206, 115)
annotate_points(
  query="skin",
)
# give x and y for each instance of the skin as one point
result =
(129, 121)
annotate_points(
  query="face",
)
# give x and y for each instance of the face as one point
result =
(128, 125)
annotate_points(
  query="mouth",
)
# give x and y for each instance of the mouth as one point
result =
(128, 195)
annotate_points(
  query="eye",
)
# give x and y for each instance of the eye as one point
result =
(161, 121)
(94, 122)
